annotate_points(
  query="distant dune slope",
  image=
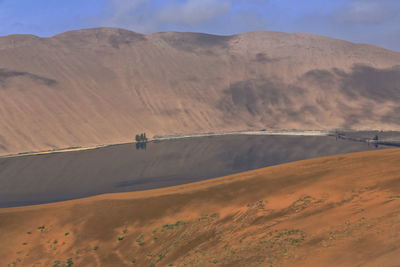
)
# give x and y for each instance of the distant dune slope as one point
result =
(342, 210)
(103, 85)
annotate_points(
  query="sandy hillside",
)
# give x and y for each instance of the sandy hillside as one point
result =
(103, 85)
(342, 210)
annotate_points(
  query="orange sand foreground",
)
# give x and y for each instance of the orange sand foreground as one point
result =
(341, 210)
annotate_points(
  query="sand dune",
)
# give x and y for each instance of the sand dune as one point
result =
(103, 85)
(342, 210)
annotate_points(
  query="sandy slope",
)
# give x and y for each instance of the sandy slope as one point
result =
(101, 86)
(342, 210)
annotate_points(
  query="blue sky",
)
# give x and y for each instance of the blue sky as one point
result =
(362, 21)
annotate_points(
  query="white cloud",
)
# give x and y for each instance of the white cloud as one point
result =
(370, 11)
(194, 12)
(120, 12)
(145, 16)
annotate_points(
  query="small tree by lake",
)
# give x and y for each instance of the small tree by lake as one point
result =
(141, 141)
(141, 138)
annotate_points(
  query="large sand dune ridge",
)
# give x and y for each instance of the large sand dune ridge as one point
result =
(103, 85)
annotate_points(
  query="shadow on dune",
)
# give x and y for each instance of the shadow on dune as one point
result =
(272, 100)
(6, 74)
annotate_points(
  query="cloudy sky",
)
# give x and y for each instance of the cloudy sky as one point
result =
(362, 21)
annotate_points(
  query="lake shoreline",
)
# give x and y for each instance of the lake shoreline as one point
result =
(159, 138)
(129, 167)
(180, 136)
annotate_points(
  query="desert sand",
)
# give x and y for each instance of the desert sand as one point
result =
(102, 86)
(341, 210)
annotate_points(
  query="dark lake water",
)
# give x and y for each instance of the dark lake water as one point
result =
(54, 177)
